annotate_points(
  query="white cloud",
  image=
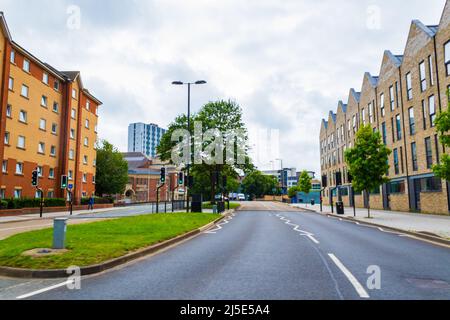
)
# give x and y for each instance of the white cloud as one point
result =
(286, 62)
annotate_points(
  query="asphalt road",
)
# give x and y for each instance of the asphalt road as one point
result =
(270, 252)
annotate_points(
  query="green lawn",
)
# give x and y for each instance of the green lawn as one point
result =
(97, 242)
(233, 205)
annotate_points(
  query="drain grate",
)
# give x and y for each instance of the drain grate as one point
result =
(429, 283)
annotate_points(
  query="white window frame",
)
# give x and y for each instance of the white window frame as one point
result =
(42, 124)
(44, 101)
(409, 91)
(19, 168)
(45, 78)
(25, 91)
(26, 65)
(422, 76)
(11, 83)
(53, 151)
(41, 147)
(23, 116)
(9, 111)
(19, 140)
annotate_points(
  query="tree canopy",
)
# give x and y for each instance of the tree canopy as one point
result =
(442, 122)
(112, 170)
(305, 182)
(258, 185)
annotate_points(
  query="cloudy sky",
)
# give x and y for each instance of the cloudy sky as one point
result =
(287, 63)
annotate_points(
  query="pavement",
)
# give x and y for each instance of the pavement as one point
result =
(269, 251)
(416, 222)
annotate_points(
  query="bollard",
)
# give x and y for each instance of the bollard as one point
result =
(59, 233)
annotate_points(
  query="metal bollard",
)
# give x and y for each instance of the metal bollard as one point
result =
(59, 233)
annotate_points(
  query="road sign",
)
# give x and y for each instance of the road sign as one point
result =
(70, 186)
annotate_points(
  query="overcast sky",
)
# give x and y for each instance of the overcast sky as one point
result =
(287, 63)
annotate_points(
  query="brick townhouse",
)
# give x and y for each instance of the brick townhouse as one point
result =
(402, 104)
(48, 122)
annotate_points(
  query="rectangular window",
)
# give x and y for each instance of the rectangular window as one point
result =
(73, 113)
(56, 85)
(428, 153)
(19, 168)
(21, 142)
(55, 107)
(85, 160)
(84, 178)
(5, 166)
(447, 57)
(409, 93)
(40, 171)
(412, 121)
(424, 115)
(392, 130)
(396, 162)
(17, 193)
(436, 144)
(392, 98)
(431, 184)
(53, 151)
(74, 93)
(401, 160)
(51, 173)
(371, 113)
(397, 187)
(44, 101)
(354, 124)
(7, 136)
(54, 128)
(25, 91)
(383, 112)
(45, 78)
(432, 110)
(71, 154)
(363, 116)
(423, 78)
(11, 84)
(26, 65)
(96, 131)
(88, 105)
(430, 70)
(399, 127)
(9, 111)
(70, 175)
(42, 124)
(72, 133)
(86, 124)
(414, 156)
(41, 148)
(86, 142)
(23, 116)
(12, 57)
(383, 132)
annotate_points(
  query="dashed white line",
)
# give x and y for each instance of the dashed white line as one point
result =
(304, 233)
(358, 287)
(34, 293)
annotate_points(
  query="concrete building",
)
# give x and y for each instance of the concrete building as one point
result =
(401, 103)
(48, 123)
(144, 138)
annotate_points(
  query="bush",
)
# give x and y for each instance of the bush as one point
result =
(98, 200)
(3, 204)
(31, 203)
(51, 203)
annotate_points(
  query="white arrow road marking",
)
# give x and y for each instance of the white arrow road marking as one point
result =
(34, 293)
(303, 233)
(358, 287)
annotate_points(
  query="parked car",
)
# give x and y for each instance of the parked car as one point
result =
(241, 197)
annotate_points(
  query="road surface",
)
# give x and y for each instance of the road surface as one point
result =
(269, 251)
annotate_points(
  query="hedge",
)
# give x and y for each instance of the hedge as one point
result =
(31, 203)
(98, 200)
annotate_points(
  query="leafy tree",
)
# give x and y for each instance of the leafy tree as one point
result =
(305, 182)
(223, 117)
(442, 170)
(258, 185)
(292, 192)
(112, 170)
(368, 162)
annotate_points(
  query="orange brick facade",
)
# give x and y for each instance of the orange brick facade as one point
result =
(48, 122)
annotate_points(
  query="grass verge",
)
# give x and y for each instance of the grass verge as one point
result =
(97, 242)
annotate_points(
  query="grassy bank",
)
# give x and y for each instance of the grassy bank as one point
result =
(97, 242)
(233, 205)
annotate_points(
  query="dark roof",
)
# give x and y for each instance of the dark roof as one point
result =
(71, 75)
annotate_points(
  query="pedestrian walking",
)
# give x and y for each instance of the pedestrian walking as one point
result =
(91, 203)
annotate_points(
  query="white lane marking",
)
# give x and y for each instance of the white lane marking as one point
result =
(34, 293)
(358, 223)
(304, 233)
(381, 229)
(219, 225)
(358, 287)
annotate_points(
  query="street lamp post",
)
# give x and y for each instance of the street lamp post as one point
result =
(189, 84)
(281, 174)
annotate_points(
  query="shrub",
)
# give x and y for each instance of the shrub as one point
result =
(31, 203)
(98, 200)
(51, 203)
(3, 204)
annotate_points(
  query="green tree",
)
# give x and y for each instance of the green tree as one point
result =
(258, 185)
(442, 170)
(223, 117)
(112, 170)
(305, 182)
(368, 162)
(292, 192)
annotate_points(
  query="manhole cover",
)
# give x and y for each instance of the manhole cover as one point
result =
(429, 283)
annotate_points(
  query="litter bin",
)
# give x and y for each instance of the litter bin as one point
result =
(340, 207)
(313, 202)
(221, 206)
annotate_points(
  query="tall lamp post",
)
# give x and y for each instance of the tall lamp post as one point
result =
(189, 84)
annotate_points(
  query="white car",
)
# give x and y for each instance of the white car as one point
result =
(241, 197)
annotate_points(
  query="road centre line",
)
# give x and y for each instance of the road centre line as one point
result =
(304, 233)
(358, 287)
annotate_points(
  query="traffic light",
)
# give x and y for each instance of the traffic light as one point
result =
(163, 175)
(35, 178)
(64, 182)
(181, 178)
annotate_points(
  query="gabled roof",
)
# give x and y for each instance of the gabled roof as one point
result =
(342, 106)
(356, 95)
(396, 59)
(4, 26)
(325, 123)
(445, 17)
(333, 116)
(429, 30)
(373, 80)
